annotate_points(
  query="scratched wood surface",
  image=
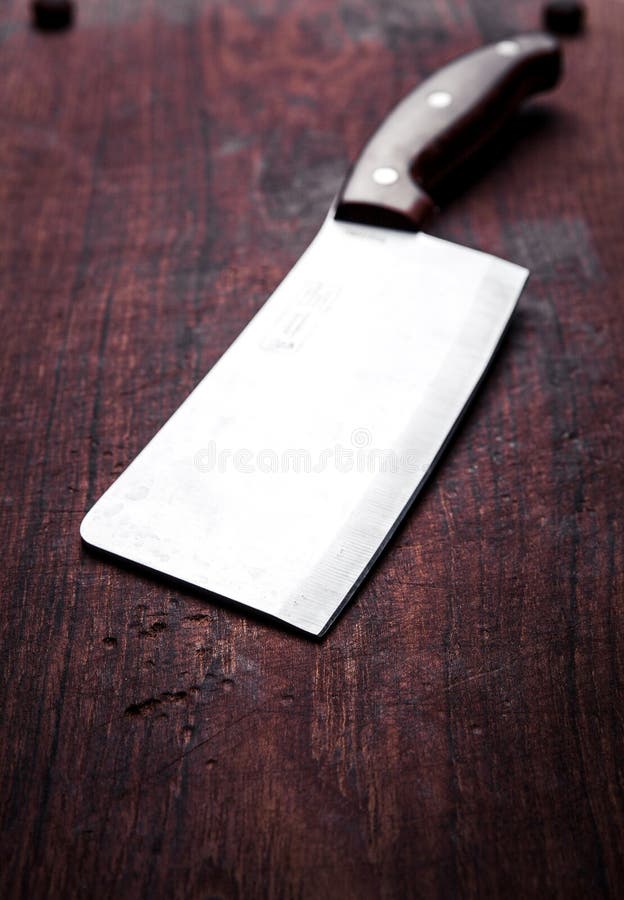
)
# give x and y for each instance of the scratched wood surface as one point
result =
(459, 732)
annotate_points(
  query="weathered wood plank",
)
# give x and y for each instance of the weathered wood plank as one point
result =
(459, 732)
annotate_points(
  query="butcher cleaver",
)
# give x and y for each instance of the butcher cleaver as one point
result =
(279, 480)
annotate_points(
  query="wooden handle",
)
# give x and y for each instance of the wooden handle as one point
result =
(432, 130)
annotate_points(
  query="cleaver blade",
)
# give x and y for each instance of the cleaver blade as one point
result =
(280, 479)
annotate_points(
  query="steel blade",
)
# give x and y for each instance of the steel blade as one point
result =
(279, 480)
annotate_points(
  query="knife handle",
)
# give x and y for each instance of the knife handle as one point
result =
(436, 127)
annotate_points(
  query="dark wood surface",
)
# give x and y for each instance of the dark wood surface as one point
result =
(459, 732)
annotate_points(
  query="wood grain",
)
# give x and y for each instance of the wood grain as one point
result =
(459, 732)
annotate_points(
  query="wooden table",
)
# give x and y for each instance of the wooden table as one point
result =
(459, 732)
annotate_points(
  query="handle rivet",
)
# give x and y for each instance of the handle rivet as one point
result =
(508, 48)
(385, 175)
(440, 99)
